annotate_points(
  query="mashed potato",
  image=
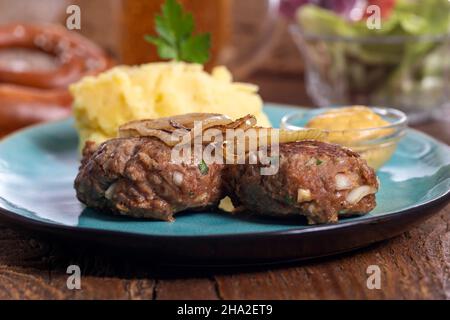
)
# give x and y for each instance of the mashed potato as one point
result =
(126, 93)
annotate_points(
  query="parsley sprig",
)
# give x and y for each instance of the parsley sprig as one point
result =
(175, 35)
(203, 167)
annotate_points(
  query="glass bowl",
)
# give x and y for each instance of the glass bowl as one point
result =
(410, 72)
(376, 145)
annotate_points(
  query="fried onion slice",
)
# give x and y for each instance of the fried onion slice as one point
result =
(164, 129)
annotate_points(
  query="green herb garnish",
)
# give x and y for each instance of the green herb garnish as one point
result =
(203, 168)
(175, 39)
(289, 200)
(318, 162)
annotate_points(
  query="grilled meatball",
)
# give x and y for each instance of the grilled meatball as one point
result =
(134, 177)
(318, 180)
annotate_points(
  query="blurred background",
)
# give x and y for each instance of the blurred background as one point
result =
(308, 53)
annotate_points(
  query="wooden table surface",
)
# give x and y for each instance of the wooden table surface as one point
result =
(413, 265)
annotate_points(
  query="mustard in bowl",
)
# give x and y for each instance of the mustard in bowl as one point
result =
(372, 132)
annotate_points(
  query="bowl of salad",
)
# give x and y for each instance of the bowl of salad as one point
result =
(375, 52)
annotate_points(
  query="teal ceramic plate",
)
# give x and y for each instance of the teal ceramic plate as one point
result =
(38, 166)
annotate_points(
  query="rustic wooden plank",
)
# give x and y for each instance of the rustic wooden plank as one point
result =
(414, 265)
(24, 272)
(288, 88)
(22, 249)
(31, 268)
(182, 289)
(438, 128)
(102, 276)
(26, 283)
(126, 278)
(104, 288)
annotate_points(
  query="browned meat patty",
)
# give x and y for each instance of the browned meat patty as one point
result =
(318, 180)
(134, 177)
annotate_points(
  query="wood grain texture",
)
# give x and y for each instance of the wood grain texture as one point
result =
(414, 265)
(183, 289)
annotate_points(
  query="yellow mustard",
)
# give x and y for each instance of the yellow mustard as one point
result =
(354, 127)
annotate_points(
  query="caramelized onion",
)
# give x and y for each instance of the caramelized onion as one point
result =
(110, 191)
(286, 136)
(170, 124)
(358, 193)
(303, 195)
(164, 128)
(177, 178)
(342, 181)
(244, 123)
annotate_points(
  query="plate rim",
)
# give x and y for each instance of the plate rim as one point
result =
(44, 225)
